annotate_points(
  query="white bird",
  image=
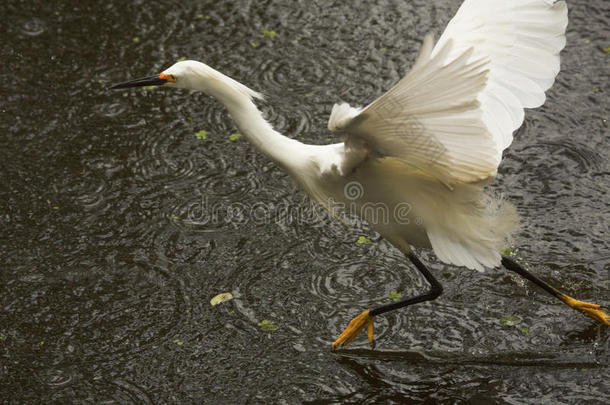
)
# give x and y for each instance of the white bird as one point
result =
(415, 161)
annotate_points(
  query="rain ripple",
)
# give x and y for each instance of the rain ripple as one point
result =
(34, 27)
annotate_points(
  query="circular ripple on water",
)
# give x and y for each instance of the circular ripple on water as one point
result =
(109, 110)
(356, 282)
(34, 27)
(585, 157)
(106, 313)
(91, 193)
(54, 377)
(219, 199)
(165, 155)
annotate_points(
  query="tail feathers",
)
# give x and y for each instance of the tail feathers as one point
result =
(473, 236)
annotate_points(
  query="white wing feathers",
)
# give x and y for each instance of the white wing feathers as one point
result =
(522, 39)
(341, 115)
(454, 113)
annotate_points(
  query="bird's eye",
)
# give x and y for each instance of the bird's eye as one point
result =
(168, 77)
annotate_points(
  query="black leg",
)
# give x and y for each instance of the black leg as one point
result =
(512, 265)
(365, 319)
(590, 310)
(436, 289)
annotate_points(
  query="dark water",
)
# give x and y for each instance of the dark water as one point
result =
(110, 253)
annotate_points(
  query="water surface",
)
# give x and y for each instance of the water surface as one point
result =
(110, 252)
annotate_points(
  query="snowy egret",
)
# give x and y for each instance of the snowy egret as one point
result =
(424, 150)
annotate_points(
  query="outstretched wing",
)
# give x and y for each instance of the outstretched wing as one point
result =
(455, 112)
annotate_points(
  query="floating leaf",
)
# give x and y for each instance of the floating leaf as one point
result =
(181, 59)
(507, 252)
(509, 320)
(307, 94)
(56, 207)
(220, 298)
(269, 33)
(525, 331)
(595, 89)
(96, 378)
(149, 87)
(254, 44)
(207, 17)
(202, 134)
(587, 41)
(363, 240)
(135, 39)
(607, 50)
(382, 49)
(266, 325)
(178, 342)
(394, 295)
(199, 16)
(234, 137)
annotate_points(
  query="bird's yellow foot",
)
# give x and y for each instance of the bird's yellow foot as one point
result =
(591, 310)
(354, 328)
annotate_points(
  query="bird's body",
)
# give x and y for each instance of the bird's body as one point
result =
(403, 203)
(414, 163)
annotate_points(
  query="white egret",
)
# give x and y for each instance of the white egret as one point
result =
(431, 143)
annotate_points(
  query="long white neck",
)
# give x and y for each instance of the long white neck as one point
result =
(288, 153)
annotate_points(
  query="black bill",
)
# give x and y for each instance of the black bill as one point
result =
(144, 81)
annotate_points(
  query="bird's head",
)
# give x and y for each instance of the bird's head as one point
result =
(190, 74)
(184, 74)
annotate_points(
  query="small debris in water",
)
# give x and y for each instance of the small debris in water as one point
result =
(220, 298)
(363, 240)
(269, 33)
(394, 295)
(266, 325)
(509, 320)
(507, 252)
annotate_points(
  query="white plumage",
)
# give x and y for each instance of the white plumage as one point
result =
(424, 150)
(451, 117)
